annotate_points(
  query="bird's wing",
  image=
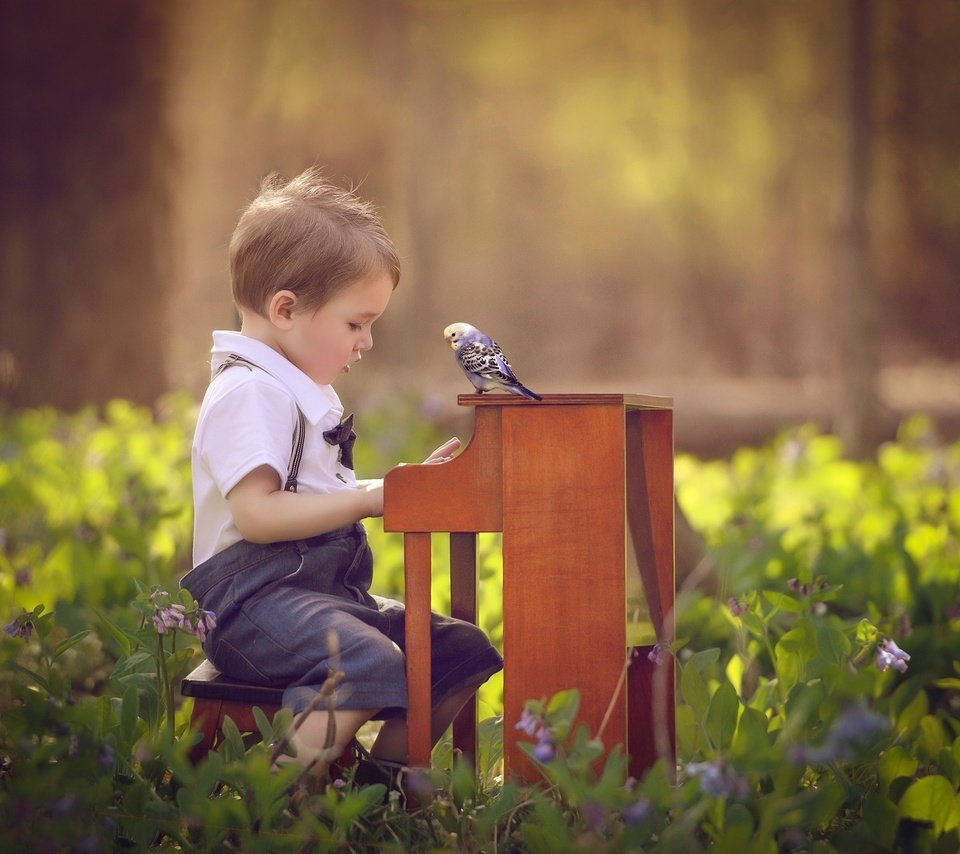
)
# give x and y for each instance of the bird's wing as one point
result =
(486, 360)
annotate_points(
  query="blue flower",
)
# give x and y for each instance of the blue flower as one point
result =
(594, 815)
(22, 627)
(637, 812)
(529, 722)
(658, 653)
(890, 655)
(719, 779)
(544, 750)
(854, 731)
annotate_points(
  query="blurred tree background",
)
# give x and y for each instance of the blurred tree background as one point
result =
(751, 206)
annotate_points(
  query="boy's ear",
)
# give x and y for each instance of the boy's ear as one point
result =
(281, 307)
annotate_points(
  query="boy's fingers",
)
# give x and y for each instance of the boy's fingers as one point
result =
(446, 447)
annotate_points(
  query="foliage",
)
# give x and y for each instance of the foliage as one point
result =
(91, 503)
(817, 688)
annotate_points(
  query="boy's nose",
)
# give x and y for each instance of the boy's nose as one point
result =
(366, 343)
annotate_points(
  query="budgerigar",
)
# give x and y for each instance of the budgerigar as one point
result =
(483, 361)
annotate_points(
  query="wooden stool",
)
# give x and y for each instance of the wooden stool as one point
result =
(216, 696)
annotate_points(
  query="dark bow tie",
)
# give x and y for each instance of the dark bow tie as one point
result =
(343, 436)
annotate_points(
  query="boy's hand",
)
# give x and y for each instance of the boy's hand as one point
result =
(373, 496)
(444, 453)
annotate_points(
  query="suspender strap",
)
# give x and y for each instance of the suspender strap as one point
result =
(296, 450)
(296, 453)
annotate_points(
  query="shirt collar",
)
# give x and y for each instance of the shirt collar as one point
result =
(313, 399)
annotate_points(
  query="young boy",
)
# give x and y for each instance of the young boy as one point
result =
(280, 555)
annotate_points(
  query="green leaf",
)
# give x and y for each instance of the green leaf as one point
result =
(751, 739)
(783, 602)
(879, 822)
(32, 675)
(754, 624)
(232, 740)
(703, 659)
(564, 704)
(694, 690)
(69, 643)
(947, 761)
(463, 781)
(263, 725)
(722, 714)
(932, 799)
(690, 738)
(129, 715)
(738, 828)
(914, 712)
(833, 644)
(894, 763)
(115, 634)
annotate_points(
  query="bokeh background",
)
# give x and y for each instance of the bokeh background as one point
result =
(751, 206)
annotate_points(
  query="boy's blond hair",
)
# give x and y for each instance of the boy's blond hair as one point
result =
(307, 236)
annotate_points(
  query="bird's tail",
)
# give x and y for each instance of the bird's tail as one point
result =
(522, 389)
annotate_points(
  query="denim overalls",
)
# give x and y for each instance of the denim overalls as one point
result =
(287, 612)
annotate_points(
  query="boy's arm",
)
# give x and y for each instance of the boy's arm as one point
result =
(264, 513)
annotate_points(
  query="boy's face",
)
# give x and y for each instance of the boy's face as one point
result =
(326, 342)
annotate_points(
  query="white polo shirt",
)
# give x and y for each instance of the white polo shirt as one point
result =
(247, 419)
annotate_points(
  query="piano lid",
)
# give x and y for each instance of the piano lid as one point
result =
(639, 401)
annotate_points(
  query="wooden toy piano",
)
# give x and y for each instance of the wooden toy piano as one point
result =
(581, 485)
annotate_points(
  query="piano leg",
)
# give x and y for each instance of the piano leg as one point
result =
(463, 606)
(416, 557)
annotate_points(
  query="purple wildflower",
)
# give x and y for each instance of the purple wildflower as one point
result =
(64, 805)
(536, 726)
(105, 756)
(205, 620)
(853, 731)
(594, 815)
(169, 618)
(637, 812)
(20, 628)
(736, 606)
(529, 722)
(544, 750)
(719, 779)
(658, 653)
(890, 655)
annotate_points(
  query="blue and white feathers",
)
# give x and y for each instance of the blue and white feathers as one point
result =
(482, 360)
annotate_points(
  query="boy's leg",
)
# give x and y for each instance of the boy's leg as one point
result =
(310, 738)
(391, 742)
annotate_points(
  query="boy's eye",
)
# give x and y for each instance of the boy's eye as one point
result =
(355, 327)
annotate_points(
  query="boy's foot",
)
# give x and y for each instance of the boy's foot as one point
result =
(370, 770)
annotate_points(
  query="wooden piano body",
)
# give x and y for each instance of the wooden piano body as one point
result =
(581, 486)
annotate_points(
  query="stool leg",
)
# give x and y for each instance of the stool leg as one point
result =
(416, 572)
(206, 718)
